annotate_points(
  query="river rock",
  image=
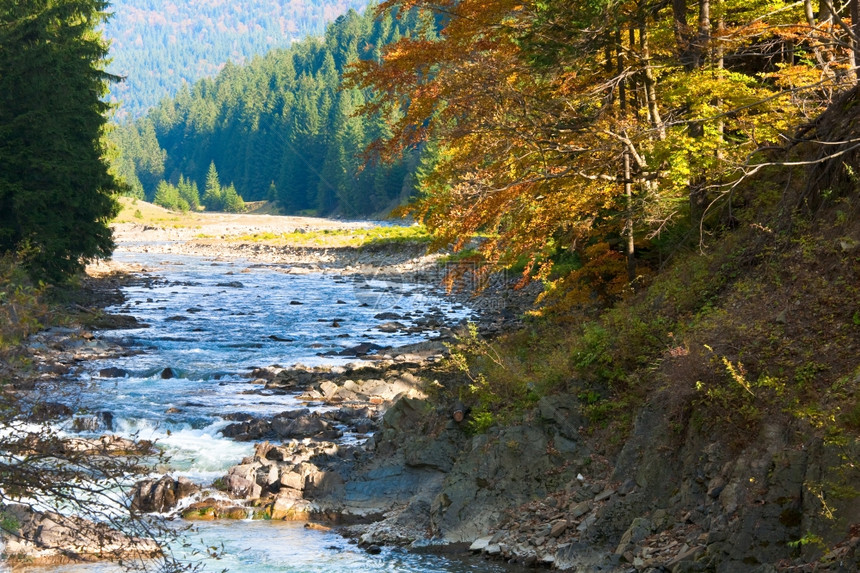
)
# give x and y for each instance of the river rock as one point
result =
(359, 350)
(405, 413)
(160, 495)
(253, 429)
(93, 422)
(387, 316)
(293, 378)
(241, 481)
(211, 508)
(45, 411)
(47, 538)
(113, 372)
(389, 327)
(308, 426)
(290, 509)
(106, 445)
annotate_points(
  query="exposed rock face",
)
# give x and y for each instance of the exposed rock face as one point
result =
(160, 495)
(536, 493)
(50, 539)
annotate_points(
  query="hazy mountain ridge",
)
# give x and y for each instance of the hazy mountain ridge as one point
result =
(158, 45)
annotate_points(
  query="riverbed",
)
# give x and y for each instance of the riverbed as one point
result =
(210, 323)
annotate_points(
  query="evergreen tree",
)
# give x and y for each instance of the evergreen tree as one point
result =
(167, 196)
(56, 190)
(213, 195)
(189, 193)
(233, 203)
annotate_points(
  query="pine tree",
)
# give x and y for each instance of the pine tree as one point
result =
(189, 193)
(213, 196)
(233, 203)
(56, 189)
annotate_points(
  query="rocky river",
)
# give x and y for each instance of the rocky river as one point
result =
(204, 360)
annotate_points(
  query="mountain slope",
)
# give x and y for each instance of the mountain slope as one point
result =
(158, 45)
(279, 128)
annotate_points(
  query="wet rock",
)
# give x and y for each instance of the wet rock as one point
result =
(168, 373)
(294, 378)
(389, 327)
(362, 349)
(106, 445)
(178, 318)
(113, 372)
(93, 422)
(290, 509)
(210, 509)
(47, 538)
(231, 284)
(387, 316)
(253, 429)
(160, 495)
(46, 411)
(277, 338)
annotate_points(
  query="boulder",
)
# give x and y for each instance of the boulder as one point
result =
(45, 538)
(241, 481)
(93, 422)
(309, 426)
(290, 509)
(389, 327)
(46, 411)
(160, 495)
(253, 429)
(211, 508)
(113, 372)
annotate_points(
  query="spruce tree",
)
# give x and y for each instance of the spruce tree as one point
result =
(56, 191)
(213, 195)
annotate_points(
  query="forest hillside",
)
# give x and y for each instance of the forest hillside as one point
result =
(280, 128)
(160, 45)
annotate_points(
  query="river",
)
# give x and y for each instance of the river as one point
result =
(212, 322)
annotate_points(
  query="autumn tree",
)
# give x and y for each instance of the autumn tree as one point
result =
(589, 128)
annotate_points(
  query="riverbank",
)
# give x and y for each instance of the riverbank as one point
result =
(631, 442)
(616, 444)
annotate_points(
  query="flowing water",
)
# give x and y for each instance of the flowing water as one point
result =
(211, 322)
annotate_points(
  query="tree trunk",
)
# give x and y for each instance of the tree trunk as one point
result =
(855, 45)
(628, 193)
(682, 33)
(650, 82)
(622, 83)
(704, 37)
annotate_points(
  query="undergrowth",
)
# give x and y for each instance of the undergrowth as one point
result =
(23, 310)
(762, 324)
